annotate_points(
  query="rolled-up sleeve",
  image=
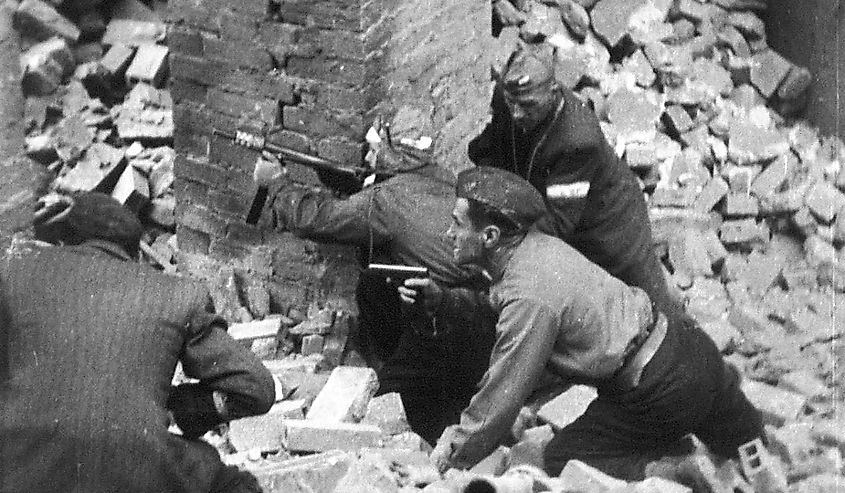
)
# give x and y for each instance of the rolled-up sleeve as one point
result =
(526, 332)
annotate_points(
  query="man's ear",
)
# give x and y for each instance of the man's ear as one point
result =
(491, 235)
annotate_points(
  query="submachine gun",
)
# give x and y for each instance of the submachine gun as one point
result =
(258, 143)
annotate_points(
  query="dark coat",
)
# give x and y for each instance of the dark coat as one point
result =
(595, 203)
(93, 341)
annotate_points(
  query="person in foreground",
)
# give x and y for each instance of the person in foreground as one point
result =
(657, 379)
(93, 341)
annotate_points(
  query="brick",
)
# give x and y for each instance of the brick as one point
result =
(345, 396)
(659, 485)
(116, 60)
(227, 250)
(793, 442)
(312, 344)
(723, 333)
(578, 476)
(132, 189)
(824, 201)
(226, 152)
(199, 70)
(740, 205)
(819, 251)
(185, 90)
(44, 65)
(200, 219)
(333, 43)
(200, 170)
(796, 83)
(346, 72)
(811, 327)
(748, 318)
(244, 233)
(240, 106)
(749, 144)
(763, 471)
(149, 65)
(775, 175)
(818, 483)
(134, 33)
(682, 197)
(318, 472)
(191, 240)
(778, 406)
(743, 231)
(187, 12)
(688, 253)
(255, 330)
(235, 26)
(314, 122)
(388, 413)
(229, 202)
(768, 69)
(295, 363)
(761, 272)
(238, 53)
(184, 41)
(313, 435)
(293, 140)
(264, 432)
(711, 194)
(803, 382)
(40, 20)
(146, 114)
(677, 118)
(567, 406)
(731, 37)
(322, 13)
(264, 85)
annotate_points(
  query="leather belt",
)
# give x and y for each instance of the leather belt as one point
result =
(640, 351)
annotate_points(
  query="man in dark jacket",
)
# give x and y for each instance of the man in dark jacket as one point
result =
(93, 341)
(544, 133)
(433, 361)
(560, 314)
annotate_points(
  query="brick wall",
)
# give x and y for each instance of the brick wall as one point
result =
(316, 72)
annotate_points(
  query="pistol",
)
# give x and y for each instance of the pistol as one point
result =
(398, 273)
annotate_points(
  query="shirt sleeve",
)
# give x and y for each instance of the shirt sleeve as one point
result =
(526, 334)
(318, 215)
(233, 382)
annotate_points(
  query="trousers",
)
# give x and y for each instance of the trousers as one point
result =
(434, 364)
(686, 388)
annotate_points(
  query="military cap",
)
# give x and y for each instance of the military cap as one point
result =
(530, 67)
(506, 192)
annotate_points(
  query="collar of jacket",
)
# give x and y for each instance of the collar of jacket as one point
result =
(102, 247)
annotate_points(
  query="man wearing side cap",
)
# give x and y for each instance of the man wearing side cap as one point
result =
(93, 340)
(560, 314)
(433, 360)
(547, 135)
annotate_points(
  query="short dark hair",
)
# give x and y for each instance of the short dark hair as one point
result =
(482, 215)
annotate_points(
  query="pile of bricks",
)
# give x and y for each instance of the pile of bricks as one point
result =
(96, 114)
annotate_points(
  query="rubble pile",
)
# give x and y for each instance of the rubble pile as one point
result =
(747, 206)
(97, 115)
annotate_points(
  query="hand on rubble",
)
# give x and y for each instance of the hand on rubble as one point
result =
(422, 290)
(51, 208)
(441, 456)
(268, 169)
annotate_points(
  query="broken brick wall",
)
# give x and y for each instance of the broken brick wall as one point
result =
(314, 74)
(293, 68)
(812, 33)
(430, 71)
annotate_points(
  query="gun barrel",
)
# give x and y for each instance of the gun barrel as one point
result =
(300, 157)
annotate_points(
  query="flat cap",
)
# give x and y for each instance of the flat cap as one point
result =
(530, 67)
(89, 216)
(503, 191)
